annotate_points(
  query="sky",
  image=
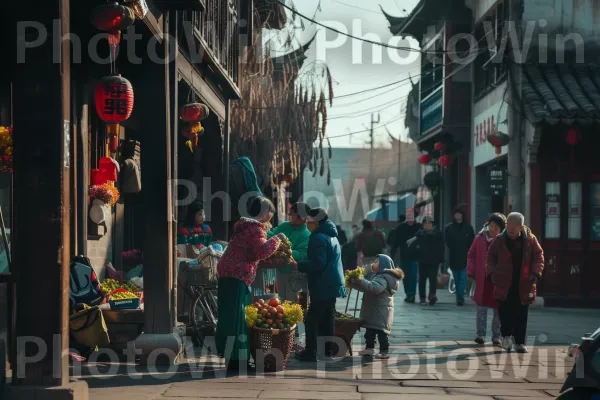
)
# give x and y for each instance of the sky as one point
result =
(353, 72)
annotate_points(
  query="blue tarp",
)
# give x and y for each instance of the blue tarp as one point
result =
(395, 208)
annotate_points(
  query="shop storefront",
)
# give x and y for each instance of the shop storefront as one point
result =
(489, 164)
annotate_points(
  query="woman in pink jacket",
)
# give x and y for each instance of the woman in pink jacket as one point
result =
(484, 288)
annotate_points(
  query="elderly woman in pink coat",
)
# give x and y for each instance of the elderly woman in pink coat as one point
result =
(484, 288)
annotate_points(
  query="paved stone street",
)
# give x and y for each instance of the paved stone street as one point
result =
(433, 356)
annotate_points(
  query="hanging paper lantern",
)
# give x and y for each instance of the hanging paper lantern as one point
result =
(439, 146)
(445, 161)
(498, 140)
(425, 159)
(573, 138)
(112, 17)
(114, 99)
(114, 103)
(193, 112)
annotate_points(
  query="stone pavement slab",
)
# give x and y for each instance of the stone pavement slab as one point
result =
(495, 392)
(441, 384)
(380, 396)
(400, 390)
(194, 392)
(309, 395)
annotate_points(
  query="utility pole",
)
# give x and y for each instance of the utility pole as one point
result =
(372, 140)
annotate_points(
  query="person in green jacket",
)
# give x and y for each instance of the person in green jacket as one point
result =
(290, 282)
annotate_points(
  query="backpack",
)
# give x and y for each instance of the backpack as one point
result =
(84, 286)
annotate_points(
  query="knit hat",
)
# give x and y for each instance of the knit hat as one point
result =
(428, 218)
(385, 262)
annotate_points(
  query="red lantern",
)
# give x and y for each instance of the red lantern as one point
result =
(114, 99)
(498, 140)
(439, 146)
(573, 138)
(193, 112)
(425, 159)
(112, 17)
(114, 103)
(444, 161)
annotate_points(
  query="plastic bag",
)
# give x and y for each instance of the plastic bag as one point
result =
(138, 281)
(136, 272)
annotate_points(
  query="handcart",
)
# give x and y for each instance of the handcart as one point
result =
(346, 327)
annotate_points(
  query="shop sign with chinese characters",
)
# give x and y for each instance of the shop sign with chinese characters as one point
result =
(493, 119)
(498, 181)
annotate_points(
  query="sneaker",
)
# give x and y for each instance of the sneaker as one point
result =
(383, 355)
(409, 299)
(366, 352)
(305, 355)
(433, 300)
(423, 302)
(479, 340)
(460, 302)
(507, 343)
(522, 349)
(497, 342)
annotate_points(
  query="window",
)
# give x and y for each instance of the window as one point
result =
(494, 73)
(575, 210)
(552, 210)
(595, 216)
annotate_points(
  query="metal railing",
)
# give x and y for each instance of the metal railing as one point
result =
(217, 28)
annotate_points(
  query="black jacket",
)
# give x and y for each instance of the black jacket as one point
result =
(428, 247)
(349, 255)
(399, 236)
(459, 238)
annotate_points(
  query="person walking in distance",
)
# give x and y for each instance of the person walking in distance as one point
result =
(397, 241)
(325, 282)
(515, 262)
(459, 236)
(369, 243)
(484, 288)
(428, 245)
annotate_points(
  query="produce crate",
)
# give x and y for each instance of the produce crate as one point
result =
(125, 304)
(263, 342)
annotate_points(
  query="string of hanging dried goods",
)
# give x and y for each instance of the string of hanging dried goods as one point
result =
(280, 116)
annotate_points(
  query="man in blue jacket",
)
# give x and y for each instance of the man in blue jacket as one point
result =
(325, 282)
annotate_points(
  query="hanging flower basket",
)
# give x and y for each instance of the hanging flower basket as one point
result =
(106, 193)
(6, 149)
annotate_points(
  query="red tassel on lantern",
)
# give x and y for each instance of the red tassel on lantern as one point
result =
(439, 146)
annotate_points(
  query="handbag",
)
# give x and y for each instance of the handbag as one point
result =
(442, 280)
(88, 327)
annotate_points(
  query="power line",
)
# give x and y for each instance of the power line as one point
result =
(389, 46)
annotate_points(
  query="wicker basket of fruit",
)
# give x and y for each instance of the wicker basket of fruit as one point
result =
(346, 327)
(272, 332)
